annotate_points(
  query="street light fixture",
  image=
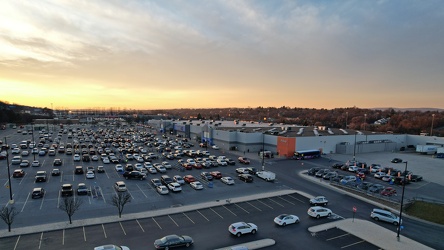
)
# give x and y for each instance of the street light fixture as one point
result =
(431, 127)
(402, 200)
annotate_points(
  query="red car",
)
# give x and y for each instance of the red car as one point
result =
(360, 175)
(216, 174)
(189, 178)
(197, 165)
(388, 191)
(18, 173)
(243, 160)
(187, 166)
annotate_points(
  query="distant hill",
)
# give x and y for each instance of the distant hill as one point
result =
(412, 109)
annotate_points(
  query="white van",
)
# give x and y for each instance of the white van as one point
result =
(266, 175)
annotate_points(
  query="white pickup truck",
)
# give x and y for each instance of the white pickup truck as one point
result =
(266, 175)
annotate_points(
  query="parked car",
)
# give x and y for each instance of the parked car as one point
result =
(78, 170)
(384, 215)
(38, 193)
(35, 164)
(243, 160)
(18, 173)
(415, 178)
(319, 200)
(349, 179)
(337, 165)
(240, 228)
(216, 174)
(90, 175)
(206, 176)
(162, 189)
(135, 175)
(396, 160)
(174, 187)
(312, 171)
(375, 188)
(173, 240)
(179, 179)
(227, 180)
(57, 162)
(120, 186)
(66, 190)
(119, 168)
(196, 185)
(322, 172)
(55, 172)
(165, 179)
(189, 178)
(245, 177)
(156, 182)
(111, 247)
(242, 170)
(285, 219)
(388, 191)
(100, 169)
(82, 189)
(318, 212)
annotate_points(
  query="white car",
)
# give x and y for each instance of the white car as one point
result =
(175, 187)
(318, 212)
(353, 169)
(379, 175)
(90, 175)
(162, 189)
(242, 170)
(222, 162)
(160, 168)
(179, 179)
(119, 168)
(25, 153)
(147, 164)
(138, 166)
(196, 185)
(240, 228)
(166, 164)
(111, 247)
(76, 157)
(227, 180)
(215, 147)
(152, 170)
(35, 164)
(105, 160)
(285, 219)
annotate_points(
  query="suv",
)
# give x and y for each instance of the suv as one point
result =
(384, 215)
(240, 228)
(40, 176)
(120, 186)
(78, 170)
(67, 190)
(165, 179)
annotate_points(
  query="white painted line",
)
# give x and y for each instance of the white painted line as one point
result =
(359, 242)
(173, 220)
(216, 213)
(122, 228)
(141, 190)
(188, 218)
(63, 237)
(254, 206)
(291, 196)
(140, 225)
(84, 233)
(229, 210)
(26, 201)
(276, 202)
(40, 241)
(104, 232)
(265, 204)
(203, 215)
(16, 243)
(43, 199)
(156, 222)
(286, 200)
(343, 235)
(242, 208)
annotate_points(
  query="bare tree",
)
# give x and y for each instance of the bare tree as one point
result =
(70, 206)
(119, 200)
(8, 214)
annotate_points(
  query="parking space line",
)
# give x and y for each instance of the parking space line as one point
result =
(173, 220)
(203, 215)
(188, 218)
(242, 208)
(254, 206)
(229, 210)
(276, 202)
(41, 202)
(141, 190)
(84, 233)
(104, 232)
(63, 237)
(359, 242)
(140, 226)
(16, 243)
(156, 222)
(265, 204)
(122, 228)
(26, 201)
(333, 238)
(216, 213)
(291, 196)
(40, 241)
(286, 200)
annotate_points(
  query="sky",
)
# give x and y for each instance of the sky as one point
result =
(131, 54)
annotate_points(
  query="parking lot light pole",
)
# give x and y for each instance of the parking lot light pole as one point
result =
(354, 149)
(402, 201)
(11, 201)
(33, 141)
(263, 151)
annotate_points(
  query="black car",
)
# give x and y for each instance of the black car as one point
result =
(57, 162)
(67, 190)
(38, 193)
(245, 177)
(252, 171)
(173, 240)
(82, 189)
(78, 170)
(337, 165)
(415, 178)
(134, 175)
(312, 171)
(396, 160)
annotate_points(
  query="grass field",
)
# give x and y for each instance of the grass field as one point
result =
(427, 211)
